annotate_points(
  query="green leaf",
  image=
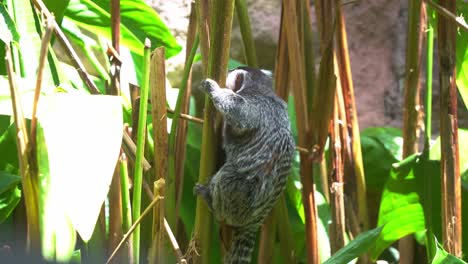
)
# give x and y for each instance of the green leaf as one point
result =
(8, 150)
(8, 181)
(83, 144)
(138, 21)
(356, 247)
(57, 8)
(8, 30)
(462, 146)
(443, 257)
(401, 210)
(30, 30)
(8, 201)
(462, 54)
(9, 194)
(389, 137)
(58, 237)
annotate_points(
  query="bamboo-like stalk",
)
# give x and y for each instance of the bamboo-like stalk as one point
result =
(29, 183)
(246, 32)
(141, 132)
(115, 195)
(203, 25)
(450, 167)
(411, 105)
(351, 116)
(282, 63)
(337, 227)
(161, 149)
(430, 244)
(296, 64)
(220, 33)
(181, 133)
(126, 203)
(156, 252)
(174, 137)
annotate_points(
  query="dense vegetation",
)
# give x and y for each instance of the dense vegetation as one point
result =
(98, 157)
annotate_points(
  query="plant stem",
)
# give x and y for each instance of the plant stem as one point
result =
(297, 71)
(411, 105)
(141, 132)
(126, 208)
(175, 123)
(246, 32)
(450, 167)
(220, 34)
(161, 148)
(29, 183)
(430, 248)
(351, 117)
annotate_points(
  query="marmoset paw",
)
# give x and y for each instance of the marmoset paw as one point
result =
(199, 189)
(207, 85)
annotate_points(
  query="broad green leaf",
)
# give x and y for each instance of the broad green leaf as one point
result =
(138, 21)
(356, 247)
(83, 134)
(443, 257)
(401, 210)
(390, 137)
(462, 147)
(58, 237)
(9, 194)
(377, 160)
(462, 54)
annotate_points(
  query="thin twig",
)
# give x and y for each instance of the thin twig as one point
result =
(187, 117)
(68, 48)
(447, 14)
(130, 149)
(175, 245)
(130, 231)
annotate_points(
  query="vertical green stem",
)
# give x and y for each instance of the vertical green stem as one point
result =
(246, 32)
(124, 184)
(430, 248)
(175, 122)
(138, 175)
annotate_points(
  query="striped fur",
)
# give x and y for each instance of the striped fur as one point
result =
(259, 150)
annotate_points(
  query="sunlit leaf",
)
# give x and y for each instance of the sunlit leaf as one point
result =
(138, 22)
(83, 134)
(462, 146)
(8, 30)
(401, 210)
(356, 247)
(462, 54)
(443, 257)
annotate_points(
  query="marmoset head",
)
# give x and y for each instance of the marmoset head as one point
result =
(246, 80)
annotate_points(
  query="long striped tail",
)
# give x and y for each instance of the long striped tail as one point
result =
(243, 243)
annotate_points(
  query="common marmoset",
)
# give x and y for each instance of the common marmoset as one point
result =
(259, 150)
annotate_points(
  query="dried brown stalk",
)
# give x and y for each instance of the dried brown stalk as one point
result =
(161, 148)
(450, 161)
